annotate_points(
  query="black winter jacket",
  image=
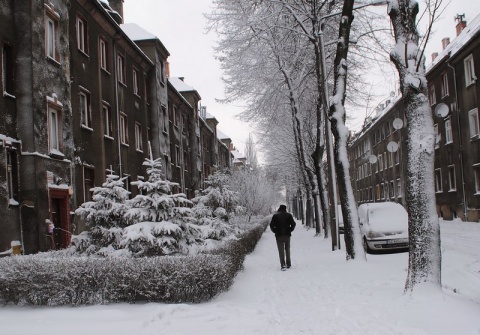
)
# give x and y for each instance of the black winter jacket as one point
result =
(282, 224)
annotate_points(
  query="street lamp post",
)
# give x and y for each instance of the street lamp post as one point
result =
(326, 106)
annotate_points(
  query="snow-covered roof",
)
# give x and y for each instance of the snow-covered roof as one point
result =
(137, 33)
(471, 30)
(180, 85)
(221, 135)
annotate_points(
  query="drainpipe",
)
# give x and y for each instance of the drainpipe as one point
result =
(465, 211)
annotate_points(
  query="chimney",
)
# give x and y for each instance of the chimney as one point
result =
(445, 42)
(117, 6)
(434, 55)
(461, 23)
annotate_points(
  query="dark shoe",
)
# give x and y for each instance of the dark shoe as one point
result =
(284, 268)
(288, 266)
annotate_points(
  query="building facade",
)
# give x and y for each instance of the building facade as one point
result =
(376, 156)
(84, 96)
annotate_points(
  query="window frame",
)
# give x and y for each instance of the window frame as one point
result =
(11, 174)
(473, 123)
(86, 191)
(8, 75)
(85, 107)
(121, 75)
(103, 51)
(138, 137)
(52, 20)
(54, 130)
(448, 131)
(123, 128)
(452, 178)
(469, 67)
(136, 81)
(444, 88)
(82, 34)
(432, 97)
(107, 120)
(438, 181)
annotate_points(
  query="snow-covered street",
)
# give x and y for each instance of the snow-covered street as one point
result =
(321, 294)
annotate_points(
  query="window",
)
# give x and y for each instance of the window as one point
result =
(377, 191)
(382, 190)
(452, 183)
(165, 119)
(123, 129)
(470, 77)
(431, 94)
(138, 137)
(136, 83)
(107, 120)
(185, 160)
(85, 109)
(53, 129)
(177, 155)
(476, 169)
(437, 136)
(121, 68)
(88, 183)
(448, 131)
(82, 35)
(184, 124)
(103, 55)
(438, 180)
(11, 174)
(473, 122)
(126, 184)
(399, 188)
(175, 116)
(392, 189)
(444, 88)
(51, 34)
(7, 69)
(380, 162)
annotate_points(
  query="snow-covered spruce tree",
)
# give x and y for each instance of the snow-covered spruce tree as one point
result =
(104, 216)
(161, 222)
(215, 206)
(424, 264)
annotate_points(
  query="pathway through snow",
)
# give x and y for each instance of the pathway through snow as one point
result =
(320, 294)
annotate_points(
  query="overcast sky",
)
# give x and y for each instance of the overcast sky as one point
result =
(180, 25)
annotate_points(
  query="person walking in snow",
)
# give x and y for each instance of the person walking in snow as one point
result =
(282, 225)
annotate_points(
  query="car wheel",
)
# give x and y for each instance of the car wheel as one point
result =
(365, 246)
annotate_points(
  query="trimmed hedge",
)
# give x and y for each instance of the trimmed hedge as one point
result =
(63, 280)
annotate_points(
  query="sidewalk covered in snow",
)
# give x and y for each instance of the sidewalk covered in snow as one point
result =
(321, 294)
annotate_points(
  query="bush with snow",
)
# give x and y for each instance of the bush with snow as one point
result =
(55, 279)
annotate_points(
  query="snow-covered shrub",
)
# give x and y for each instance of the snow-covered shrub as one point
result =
(161, 222)
(104, 216)
(215, 206)
(56, 279)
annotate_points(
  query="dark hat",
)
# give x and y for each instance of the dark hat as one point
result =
(282, 208)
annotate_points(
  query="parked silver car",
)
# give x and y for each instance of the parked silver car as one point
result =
(384, 226)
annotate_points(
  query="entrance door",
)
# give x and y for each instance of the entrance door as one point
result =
(59, 215)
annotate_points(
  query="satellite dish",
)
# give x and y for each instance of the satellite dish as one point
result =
(372, 159)
(397, 123)
(392, 146)
(441, 110)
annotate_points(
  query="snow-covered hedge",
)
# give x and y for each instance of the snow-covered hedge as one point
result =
(50, 279)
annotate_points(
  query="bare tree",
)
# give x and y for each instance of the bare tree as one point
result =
(424, 265)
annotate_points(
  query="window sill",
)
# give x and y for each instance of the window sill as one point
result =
(139, 151)
(452, 191)
(438, 192)
(474, 137)
(54, 61)
(56, 154)
(447, 143)
(106, 71)
(8, 95)
(84, 53)
(125, 144)
(13, 203)
(108, 137)
(87, 128)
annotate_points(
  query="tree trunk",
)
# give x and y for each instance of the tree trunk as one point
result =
(424, 263)
(353, 241)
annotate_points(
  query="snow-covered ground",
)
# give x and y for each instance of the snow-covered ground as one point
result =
(321, 294)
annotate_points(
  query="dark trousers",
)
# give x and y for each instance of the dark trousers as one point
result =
(283, 244)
